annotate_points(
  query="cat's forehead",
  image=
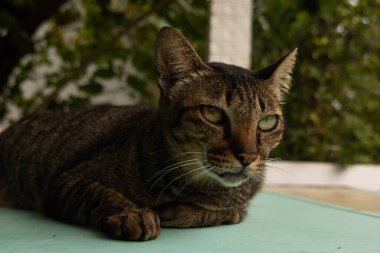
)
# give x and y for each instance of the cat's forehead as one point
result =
(234, 89)
(236, 79)
(228, 87)
(235, 85)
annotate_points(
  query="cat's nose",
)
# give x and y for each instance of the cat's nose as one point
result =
(246, 158)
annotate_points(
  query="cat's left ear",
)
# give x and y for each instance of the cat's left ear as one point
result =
(280, 74)
(175, 57)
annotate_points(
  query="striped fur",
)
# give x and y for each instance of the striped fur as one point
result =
(129, 171)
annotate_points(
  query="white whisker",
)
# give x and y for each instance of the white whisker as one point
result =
(170, 166)
(182, 154)
(167, 171)
(195, 177)
(272, 159)
(175, 179)
(283, 170)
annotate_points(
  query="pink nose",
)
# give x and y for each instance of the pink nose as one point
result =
(247, 158)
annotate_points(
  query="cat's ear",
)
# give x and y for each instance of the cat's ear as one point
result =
(175, 57)
(280, 74)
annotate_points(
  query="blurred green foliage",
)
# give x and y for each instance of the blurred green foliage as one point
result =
(90, 42)
(333, 108)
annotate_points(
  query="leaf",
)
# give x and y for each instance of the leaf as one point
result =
(93, 88)
(105, 73)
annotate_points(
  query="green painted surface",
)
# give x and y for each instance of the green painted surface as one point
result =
(276, 223)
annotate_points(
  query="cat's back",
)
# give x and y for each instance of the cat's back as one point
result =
(54, 139)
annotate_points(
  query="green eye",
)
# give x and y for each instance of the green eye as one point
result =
(268, 123)
(212, 114)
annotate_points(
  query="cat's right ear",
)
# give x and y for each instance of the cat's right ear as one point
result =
(280, 74)
(175, 57)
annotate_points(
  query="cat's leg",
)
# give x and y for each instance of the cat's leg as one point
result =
(83, 201)
(181, 214)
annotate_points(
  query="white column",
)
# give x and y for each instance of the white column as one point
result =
(230, 32)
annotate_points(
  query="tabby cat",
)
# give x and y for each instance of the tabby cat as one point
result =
(196, 161)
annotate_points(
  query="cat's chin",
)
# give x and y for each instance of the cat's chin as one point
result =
(229, 179)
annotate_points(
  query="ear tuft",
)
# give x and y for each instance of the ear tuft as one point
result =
(283, 74)
(280, 74)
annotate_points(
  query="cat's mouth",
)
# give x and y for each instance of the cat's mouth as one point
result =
(230, 179)
(233, 176)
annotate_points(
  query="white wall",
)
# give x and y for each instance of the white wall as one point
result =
(231, 32)
(360, 176)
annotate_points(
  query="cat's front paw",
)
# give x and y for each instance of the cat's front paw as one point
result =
(190, 215)
(133, 225)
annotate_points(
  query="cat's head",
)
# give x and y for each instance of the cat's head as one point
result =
(221, 120)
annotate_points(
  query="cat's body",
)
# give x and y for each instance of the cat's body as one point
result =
(196, 161)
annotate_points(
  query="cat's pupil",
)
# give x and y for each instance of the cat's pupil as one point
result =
(268, 123)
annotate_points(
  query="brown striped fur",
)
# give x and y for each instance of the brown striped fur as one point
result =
(129, 171)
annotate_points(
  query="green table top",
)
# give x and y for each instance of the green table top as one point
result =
(275, 223)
